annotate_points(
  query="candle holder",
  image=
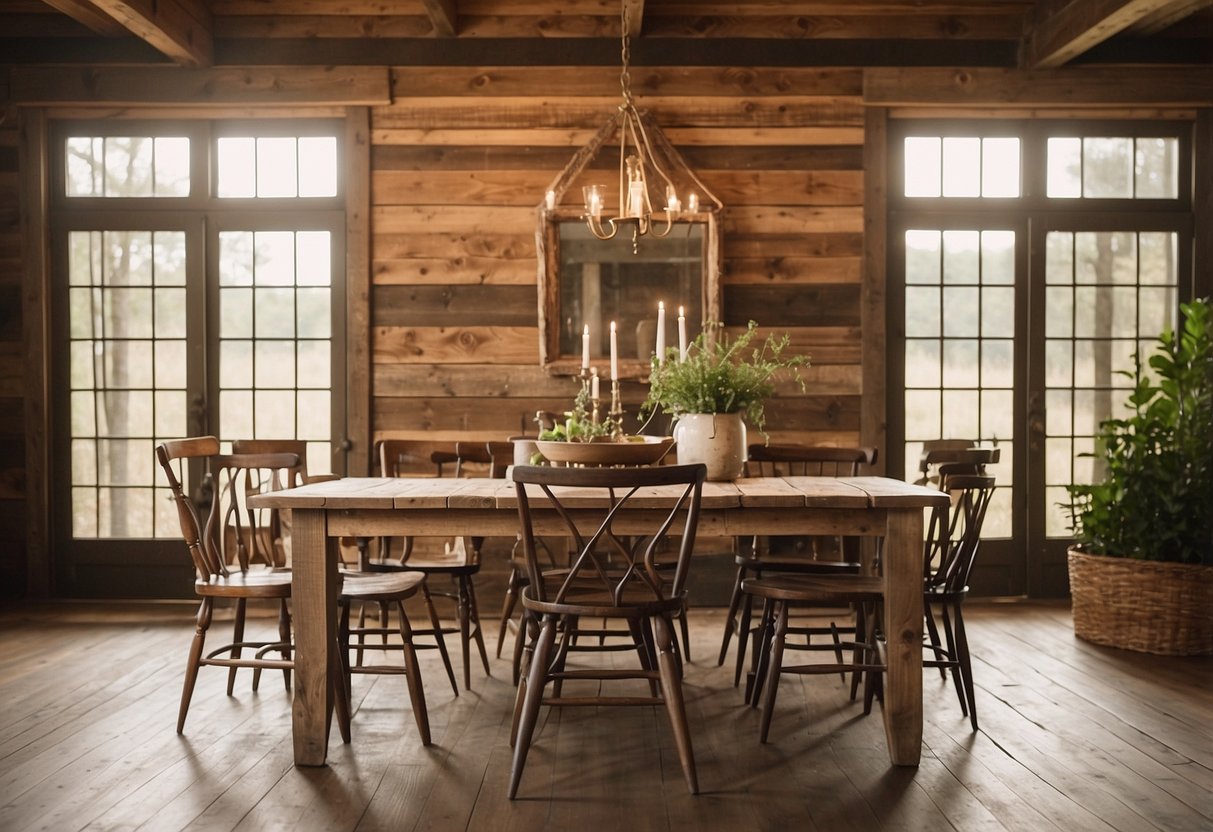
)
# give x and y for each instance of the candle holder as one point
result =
(616, 413)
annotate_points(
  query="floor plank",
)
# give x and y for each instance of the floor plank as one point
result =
(1073, 737)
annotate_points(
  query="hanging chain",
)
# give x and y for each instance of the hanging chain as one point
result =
(625, 81)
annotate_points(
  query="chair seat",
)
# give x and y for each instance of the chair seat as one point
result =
(380, 586)
(437, 565)
(252, 584)
(806, 588)
(797, 565)
(590, 598)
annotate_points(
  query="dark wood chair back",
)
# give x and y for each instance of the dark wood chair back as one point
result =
(954, 533)
(958, 460)
(806, 461)
(623, 568)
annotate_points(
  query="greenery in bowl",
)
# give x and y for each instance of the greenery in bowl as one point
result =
(579, 424)
(1155, 501)
(721, 375)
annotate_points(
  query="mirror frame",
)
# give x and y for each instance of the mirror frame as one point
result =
(547, 249)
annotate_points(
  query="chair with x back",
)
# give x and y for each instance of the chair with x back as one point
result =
(592, 506)
(755, 559)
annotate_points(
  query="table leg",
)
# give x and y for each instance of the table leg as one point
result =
(903, 634)
(314, 588)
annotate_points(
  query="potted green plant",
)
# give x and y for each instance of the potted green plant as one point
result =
(718, 386)
(1141, 574)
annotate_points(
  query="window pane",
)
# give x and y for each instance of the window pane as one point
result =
(317, 166)
(235, 313)
(960, 261)
(274, 313)
(922, 414)
(1000, 167)
(998, 312)
(277, 167)
(313, 258)
(235, 365)
(1107, 168)
(236, 413)
(922, 256)
(274, 414)
(315, 410)
(84, 171)
(274, 364)
(236, 258)
(922, 363)
(237, 167)
(128, 166)
(170, 364)
(922, 166)
(961, 166)
(997, 414)
(922, 311)
(1064, 168)
(961, 311)
(168, 258)
(1156, 172)
(275, 258)
(998, 257)
(960, 412)
(960, 363)
(172, 171)
(315, 316)
(997, 363)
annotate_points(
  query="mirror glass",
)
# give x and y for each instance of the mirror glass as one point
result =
(587, 281)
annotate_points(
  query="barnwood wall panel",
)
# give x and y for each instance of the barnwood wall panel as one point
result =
(461, 158)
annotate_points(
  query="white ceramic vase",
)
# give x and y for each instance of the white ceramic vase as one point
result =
(718, 440)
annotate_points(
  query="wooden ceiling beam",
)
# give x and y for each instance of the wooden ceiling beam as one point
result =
(1166, 17)
(444, 16)
(1061, 30)
(87, 14)
(180, 29)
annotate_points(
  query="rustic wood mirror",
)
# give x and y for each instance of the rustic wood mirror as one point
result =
(584, 280)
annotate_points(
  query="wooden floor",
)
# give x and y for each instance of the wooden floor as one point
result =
(1073, 737)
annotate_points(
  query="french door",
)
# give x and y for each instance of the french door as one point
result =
(207, 314)
(1028, 263)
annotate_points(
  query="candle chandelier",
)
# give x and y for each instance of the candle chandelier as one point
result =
(648, 167)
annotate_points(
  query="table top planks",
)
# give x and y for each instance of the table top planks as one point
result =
(417, 493)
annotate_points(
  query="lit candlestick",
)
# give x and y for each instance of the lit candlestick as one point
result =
(614, 354)
(585, 347)
(660, 332)
(594, 385)
(682, 334)
(693, 203)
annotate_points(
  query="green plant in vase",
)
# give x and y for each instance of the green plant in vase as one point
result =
(721, 382)
(579, 424)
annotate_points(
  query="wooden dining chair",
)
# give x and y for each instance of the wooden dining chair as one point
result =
(224, 540)
(754, 557)
(953, 537)
(627, 586)
(460, 561)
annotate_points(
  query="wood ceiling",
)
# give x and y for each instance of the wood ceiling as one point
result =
(1008, 33)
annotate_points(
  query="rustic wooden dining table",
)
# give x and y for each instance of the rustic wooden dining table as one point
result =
(368, 507)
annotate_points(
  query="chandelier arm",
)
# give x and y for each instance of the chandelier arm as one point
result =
(631, 123)
(648, 147)
(677, 158)
(583, 156)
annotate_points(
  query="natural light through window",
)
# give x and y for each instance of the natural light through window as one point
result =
(961, 166)
(1101, 167)
(276, 167)
(128, 166)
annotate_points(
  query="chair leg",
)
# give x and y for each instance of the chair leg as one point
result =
(858, 654)
(761, 655)
(507, 606)
(933, 635)
(775, 662)
(436, 624)
(524, 648)
(284, 635)
(520, 641)
(966, 666)
(203, 621)
(954, 662)
(685, 629)
(644, 648)
(730, 619)
(671, 688)
(562, 653)
(237, 637)
(477, 631)
(531, 700)
(412, 672)
(743, 636)
(341, 684)
(463, 613)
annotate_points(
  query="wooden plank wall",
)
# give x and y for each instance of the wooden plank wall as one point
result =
(464, 154)
(12, 439)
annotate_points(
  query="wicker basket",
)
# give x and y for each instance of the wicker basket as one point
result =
(1142, 605)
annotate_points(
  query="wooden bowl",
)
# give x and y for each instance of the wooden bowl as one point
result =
(634, 450)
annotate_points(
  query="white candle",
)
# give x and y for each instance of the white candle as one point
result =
(660, 332)
(550, 200)
(682, 334)
(693, 203)
(585, 347)
(594, 385)
(614, 354)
